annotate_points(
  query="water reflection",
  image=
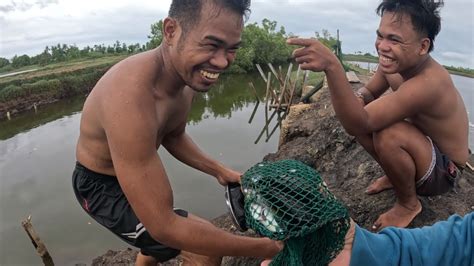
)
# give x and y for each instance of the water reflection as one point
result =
(31, 119)
(232, 93)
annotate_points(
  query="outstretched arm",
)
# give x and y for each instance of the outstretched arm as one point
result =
(183, 148)
(411, 97)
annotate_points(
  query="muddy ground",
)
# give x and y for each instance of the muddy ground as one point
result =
(313, 135)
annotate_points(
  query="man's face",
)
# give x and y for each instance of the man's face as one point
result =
(397, 44)
(208, 48)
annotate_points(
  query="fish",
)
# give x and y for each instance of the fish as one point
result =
(265, 216)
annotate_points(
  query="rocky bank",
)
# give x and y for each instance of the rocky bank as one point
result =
(312, 134)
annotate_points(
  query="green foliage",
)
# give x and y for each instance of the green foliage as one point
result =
(20, 61)
(468, 72)
(261, 45)
(64, 53)
(11, 92)
(156, 36)
(367, 57)
(4, 62)
(59, 86)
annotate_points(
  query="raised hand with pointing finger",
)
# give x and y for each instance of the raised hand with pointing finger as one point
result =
(312, 55)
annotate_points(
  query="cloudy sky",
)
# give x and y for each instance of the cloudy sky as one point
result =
(27, 26)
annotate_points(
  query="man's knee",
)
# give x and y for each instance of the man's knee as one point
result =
(390, 138)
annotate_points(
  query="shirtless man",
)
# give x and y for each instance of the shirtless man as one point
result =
(141, 104)
(419, 132)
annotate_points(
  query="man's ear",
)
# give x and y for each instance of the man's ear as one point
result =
(170, 31)
(425, 46)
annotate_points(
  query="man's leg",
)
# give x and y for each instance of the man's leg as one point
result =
(381, 183)
(195, 259)
(405, 155)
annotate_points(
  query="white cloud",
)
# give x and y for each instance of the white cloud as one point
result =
(33, 24)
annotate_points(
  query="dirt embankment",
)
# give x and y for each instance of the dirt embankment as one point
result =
(314, 135)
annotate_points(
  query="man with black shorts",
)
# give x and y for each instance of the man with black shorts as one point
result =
(142, 103)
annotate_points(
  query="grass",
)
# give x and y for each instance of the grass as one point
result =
(61, 67)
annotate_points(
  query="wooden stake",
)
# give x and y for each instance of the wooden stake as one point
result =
(254, 91)
(261, 73)
(37, 243)
(280, 99)
(267, 95)
(266, 126)
(293, 90)
(275, 73)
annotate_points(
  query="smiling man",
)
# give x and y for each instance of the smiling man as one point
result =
(418, 132)
(141, 104)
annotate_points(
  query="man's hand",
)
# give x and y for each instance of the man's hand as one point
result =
(279, 245)
(313, 55)
(274, 247)
(227, 175)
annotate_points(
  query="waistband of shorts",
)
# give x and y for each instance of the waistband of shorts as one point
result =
(82, 169)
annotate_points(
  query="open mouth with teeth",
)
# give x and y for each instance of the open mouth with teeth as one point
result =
(385, 60)
(209, 75)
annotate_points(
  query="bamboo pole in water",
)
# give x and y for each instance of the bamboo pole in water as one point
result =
(40, 247)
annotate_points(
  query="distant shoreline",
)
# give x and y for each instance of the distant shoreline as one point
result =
(373, 59)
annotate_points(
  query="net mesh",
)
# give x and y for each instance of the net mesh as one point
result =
(288, 200)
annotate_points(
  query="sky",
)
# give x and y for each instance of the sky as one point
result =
(27, 26)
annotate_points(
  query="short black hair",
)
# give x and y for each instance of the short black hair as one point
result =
(424, 15)
(188, 12)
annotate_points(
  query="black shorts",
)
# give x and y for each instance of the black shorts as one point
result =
(440, 177)
(102, 198)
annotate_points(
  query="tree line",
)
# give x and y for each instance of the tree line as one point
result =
(261, 44)
(63, 52)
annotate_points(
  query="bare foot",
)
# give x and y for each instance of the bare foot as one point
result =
(398, 215)
(380, 184)
(193, 259)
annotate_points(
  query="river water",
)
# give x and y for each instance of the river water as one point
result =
(37, 158)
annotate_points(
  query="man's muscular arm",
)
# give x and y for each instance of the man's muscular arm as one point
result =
(376, 86)
(182, 147)
(410, 98)
(132, 143)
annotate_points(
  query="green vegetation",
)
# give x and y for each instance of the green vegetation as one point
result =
(367, 57)
(461, 71)
(55, 85)
(66, 53)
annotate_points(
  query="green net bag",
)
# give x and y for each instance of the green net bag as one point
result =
(288, 200)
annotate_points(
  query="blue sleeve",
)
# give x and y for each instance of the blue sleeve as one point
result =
(444, 243)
